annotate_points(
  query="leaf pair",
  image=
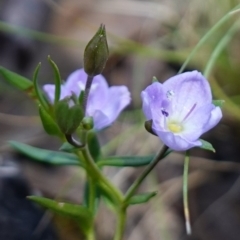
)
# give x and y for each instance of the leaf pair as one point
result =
(64, 158)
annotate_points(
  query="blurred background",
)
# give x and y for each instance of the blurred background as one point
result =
(146, 39)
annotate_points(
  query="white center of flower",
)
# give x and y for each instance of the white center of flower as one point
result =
(175, 127)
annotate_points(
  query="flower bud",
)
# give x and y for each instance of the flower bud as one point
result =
(68, 118)
(87, 123)
(96, 53)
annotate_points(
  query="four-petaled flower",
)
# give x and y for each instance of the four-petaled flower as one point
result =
(104, 103)
(181, 110)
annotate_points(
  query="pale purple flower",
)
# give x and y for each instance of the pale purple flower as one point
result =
(181, 110)
(104, 103)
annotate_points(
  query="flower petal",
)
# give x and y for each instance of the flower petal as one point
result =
(216, 115)
(181, 109)
(98, 96)
(201, 121)
(104, 104)
(119, 98)
(76, 81)
(188, 89)
(100, 120)
(49, 89)
(176, 142)
(152, 98)
(194, 124)
(159, 121)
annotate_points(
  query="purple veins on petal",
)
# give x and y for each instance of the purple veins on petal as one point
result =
(191, 110)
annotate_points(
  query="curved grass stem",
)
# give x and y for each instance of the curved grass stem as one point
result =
(185, 194)
(209, 34)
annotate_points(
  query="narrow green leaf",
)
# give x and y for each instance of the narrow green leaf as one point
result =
(18, 81)
(46, 156)
(38, 91)
(76, 212)
(207, 146)
(94, 145)
(218, 103)
(67, 147)
(141, 198)
(128, 161)
(57, 78)
(48, 123)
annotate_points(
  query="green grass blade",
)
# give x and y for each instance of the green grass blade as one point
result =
(209, 34)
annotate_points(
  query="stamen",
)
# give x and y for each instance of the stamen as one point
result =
(164, 112)
(191, 110)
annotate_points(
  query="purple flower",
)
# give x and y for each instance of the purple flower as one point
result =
(181, 110)
(104, 103)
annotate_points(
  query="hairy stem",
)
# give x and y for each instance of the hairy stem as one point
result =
(86, 93)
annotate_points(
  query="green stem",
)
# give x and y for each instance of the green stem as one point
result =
(96, 175)
(147, 170)
(92, 194)
(121, 220)
(185, 193)
(90, 235)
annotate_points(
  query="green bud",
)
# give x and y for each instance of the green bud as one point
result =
(68, 118)
(87, 123)
(154, 79)
(96, 53)
(148, 127)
